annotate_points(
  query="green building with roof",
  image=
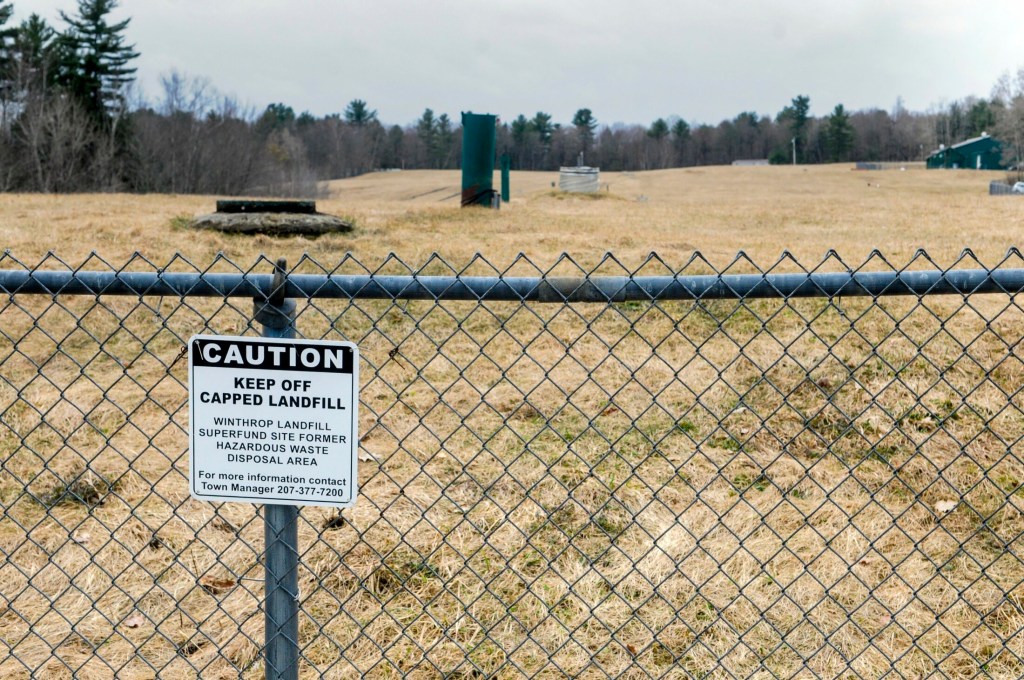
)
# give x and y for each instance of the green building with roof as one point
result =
(979, 153)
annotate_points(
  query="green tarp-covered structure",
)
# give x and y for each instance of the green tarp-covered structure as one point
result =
(979, 153)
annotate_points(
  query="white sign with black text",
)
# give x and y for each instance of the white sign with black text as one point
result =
(273, 421)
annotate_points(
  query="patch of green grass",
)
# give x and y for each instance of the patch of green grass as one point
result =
(945, 411)
(744, 481)
(705, 612)
(1007, 482)
(569, 434)
(609, 525)
(632, 305)
(686, 427)
(729, 443)
(919, 418)
(663, 656)
(179, 222)
(883, 453)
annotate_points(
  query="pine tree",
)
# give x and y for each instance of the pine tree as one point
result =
(585, 125)
(541, 124)
(680, 138)
(7, 37)
(276, 116)
(658, 130)
(7, 33)
(445, 140)
(94, 59)
(681, 130)
(35, 53)
(520, 132)
(520, 129)
(798, 117)
(426, 130)
(358, 113)
(839, 134)
(981, 118)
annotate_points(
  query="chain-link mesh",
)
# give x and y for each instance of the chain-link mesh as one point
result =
(712, 488)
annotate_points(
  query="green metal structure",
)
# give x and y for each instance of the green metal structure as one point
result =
(506, 167)
(979, 153)
(478, 147)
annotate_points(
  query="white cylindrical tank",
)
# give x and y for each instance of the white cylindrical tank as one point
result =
(579, 180)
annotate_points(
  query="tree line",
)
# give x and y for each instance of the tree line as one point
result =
(72, 120)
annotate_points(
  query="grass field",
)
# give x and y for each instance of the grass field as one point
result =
(719, 489)
(717, 211)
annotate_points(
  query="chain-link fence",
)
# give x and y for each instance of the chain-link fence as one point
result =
(576, 471)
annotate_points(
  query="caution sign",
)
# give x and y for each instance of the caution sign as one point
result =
(273, 421)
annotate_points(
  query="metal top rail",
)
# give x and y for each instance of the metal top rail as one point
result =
(530, 289)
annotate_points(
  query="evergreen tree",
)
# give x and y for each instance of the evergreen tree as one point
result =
(426, 130)
(658, 129)
(94, 59)
(7, 33)
(681, 130)
(541, 124)
(35, 52)
(585, 125)
(393, 157)
(277, 117)
(358, 113)
(797, 115)
(680, 136)
(839, 134)
(980, 118)
(7, 39)
(445, 141)
(519, 130)
(658, 152)
(956, 123)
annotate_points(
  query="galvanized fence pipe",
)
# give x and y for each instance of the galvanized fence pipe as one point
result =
(276, 313)
(558, 289)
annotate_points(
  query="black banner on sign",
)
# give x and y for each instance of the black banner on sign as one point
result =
(272, 355)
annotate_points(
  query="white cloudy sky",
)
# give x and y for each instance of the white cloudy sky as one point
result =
(627, 60)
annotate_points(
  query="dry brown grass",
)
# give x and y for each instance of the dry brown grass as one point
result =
(765, 493)
(717, 211)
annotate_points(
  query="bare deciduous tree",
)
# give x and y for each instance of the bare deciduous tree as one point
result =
(1008, 97)
(55, 135)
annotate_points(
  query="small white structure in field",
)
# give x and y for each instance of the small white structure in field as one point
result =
(579, 180)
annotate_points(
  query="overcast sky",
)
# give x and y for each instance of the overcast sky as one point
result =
(628, 61)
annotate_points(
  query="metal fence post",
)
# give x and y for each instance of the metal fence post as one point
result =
(280, 522)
